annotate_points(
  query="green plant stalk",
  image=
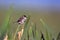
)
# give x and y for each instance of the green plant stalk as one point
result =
(40, 35)
(5, 24)
(37, 35)
(46, 26)
(30, 31)
(48, 33)
(27, 22)
(47, 36)
(26, 28)
(28, 34)
(16, 32)
(7, 18)
(34, 31)
(50, 36)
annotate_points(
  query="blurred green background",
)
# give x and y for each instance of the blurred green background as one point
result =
(51, 18)
(48, 12)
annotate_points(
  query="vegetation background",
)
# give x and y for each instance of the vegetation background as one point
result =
(51, 18)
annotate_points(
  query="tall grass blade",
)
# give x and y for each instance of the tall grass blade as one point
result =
(45, 26)
(47, 36)
(16, 32)
(25, 29)
(47, 32)
(5, 23)
(34, 31)
(28, 35)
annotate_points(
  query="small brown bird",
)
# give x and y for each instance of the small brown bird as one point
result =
(22, 19)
